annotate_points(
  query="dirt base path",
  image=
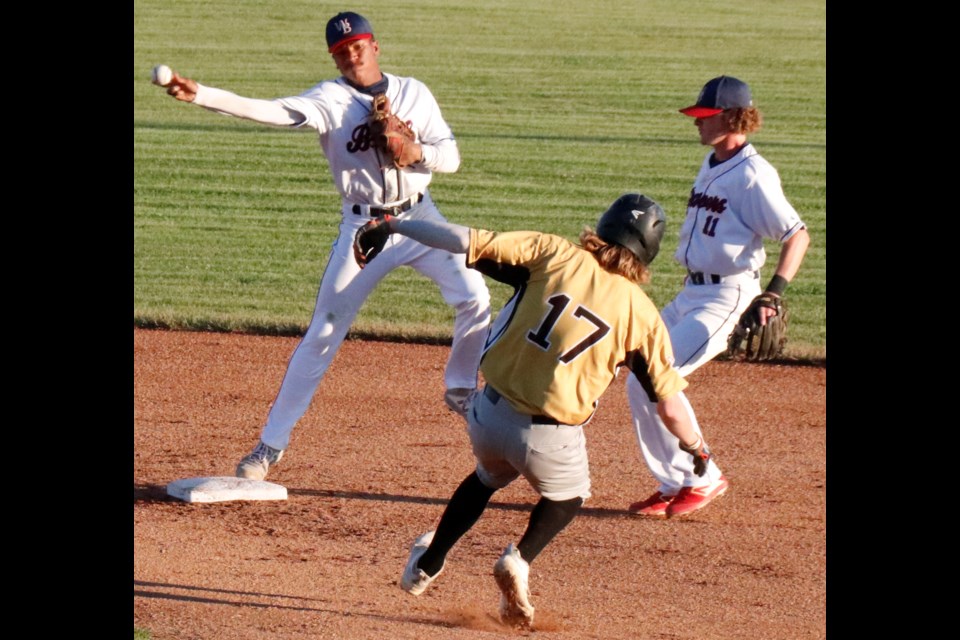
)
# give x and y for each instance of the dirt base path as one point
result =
(372, 464)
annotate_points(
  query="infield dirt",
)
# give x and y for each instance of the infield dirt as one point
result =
(372, 464)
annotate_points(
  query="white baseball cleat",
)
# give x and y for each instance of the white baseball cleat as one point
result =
(512, 574)
(415, 580)
(256, 464)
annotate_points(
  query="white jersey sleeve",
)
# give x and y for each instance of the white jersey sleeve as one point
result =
(440, 151)
(320, 105)
(340, 114)
(765, 207)
(230, 104)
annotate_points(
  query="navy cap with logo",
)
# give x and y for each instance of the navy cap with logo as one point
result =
(725, 92)
(345, 27)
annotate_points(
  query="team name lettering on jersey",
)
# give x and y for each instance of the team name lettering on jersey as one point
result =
(710, 203)
(360, 139)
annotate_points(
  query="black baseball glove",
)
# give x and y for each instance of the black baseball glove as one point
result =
(755, 342)
(701, 455)
(370, 239)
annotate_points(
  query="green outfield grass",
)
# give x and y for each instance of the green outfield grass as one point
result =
(558, 106)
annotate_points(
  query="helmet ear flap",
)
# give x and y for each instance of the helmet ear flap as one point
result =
(636, 222)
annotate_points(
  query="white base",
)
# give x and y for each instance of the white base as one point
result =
(224, 488)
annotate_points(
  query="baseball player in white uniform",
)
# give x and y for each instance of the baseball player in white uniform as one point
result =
(370, 186)
(735, 203)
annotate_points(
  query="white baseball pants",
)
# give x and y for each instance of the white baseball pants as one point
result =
(343, 289)
(699, 320)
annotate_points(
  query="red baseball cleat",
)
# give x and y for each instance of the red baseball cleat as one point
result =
(655, 506)
(692, 498)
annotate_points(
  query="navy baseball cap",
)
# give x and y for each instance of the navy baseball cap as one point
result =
(721, 93)
(345, 27)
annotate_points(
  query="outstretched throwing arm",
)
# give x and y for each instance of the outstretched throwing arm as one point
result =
(372, 237)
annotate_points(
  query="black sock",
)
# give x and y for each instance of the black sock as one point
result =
(464, 509)
(548, 519)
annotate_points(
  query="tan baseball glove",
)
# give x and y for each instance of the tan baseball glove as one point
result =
(392, 136)
(754, 342)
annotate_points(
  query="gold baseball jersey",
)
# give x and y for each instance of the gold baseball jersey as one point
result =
(558, 343)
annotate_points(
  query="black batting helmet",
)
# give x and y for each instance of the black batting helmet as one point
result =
(636, 222)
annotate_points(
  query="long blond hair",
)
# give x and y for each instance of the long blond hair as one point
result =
(614, 257)
(743, 120)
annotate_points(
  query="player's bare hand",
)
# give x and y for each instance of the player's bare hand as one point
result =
(762, 308)
(410, 153)
(764, 314)
(761, 331)
(181, 88)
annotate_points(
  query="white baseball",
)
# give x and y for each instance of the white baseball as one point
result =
(162, 75)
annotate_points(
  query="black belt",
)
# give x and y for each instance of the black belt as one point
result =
(699, 277)
(379, 212)
(494, 397)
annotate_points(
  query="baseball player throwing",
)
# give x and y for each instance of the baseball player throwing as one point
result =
(372, 182)
(735, 203)
(576, 317)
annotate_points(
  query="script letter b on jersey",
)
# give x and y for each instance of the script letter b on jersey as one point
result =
(360, 139)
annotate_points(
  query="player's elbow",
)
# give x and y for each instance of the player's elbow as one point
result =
(673, 410)
(798, 242)
(802, 240)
